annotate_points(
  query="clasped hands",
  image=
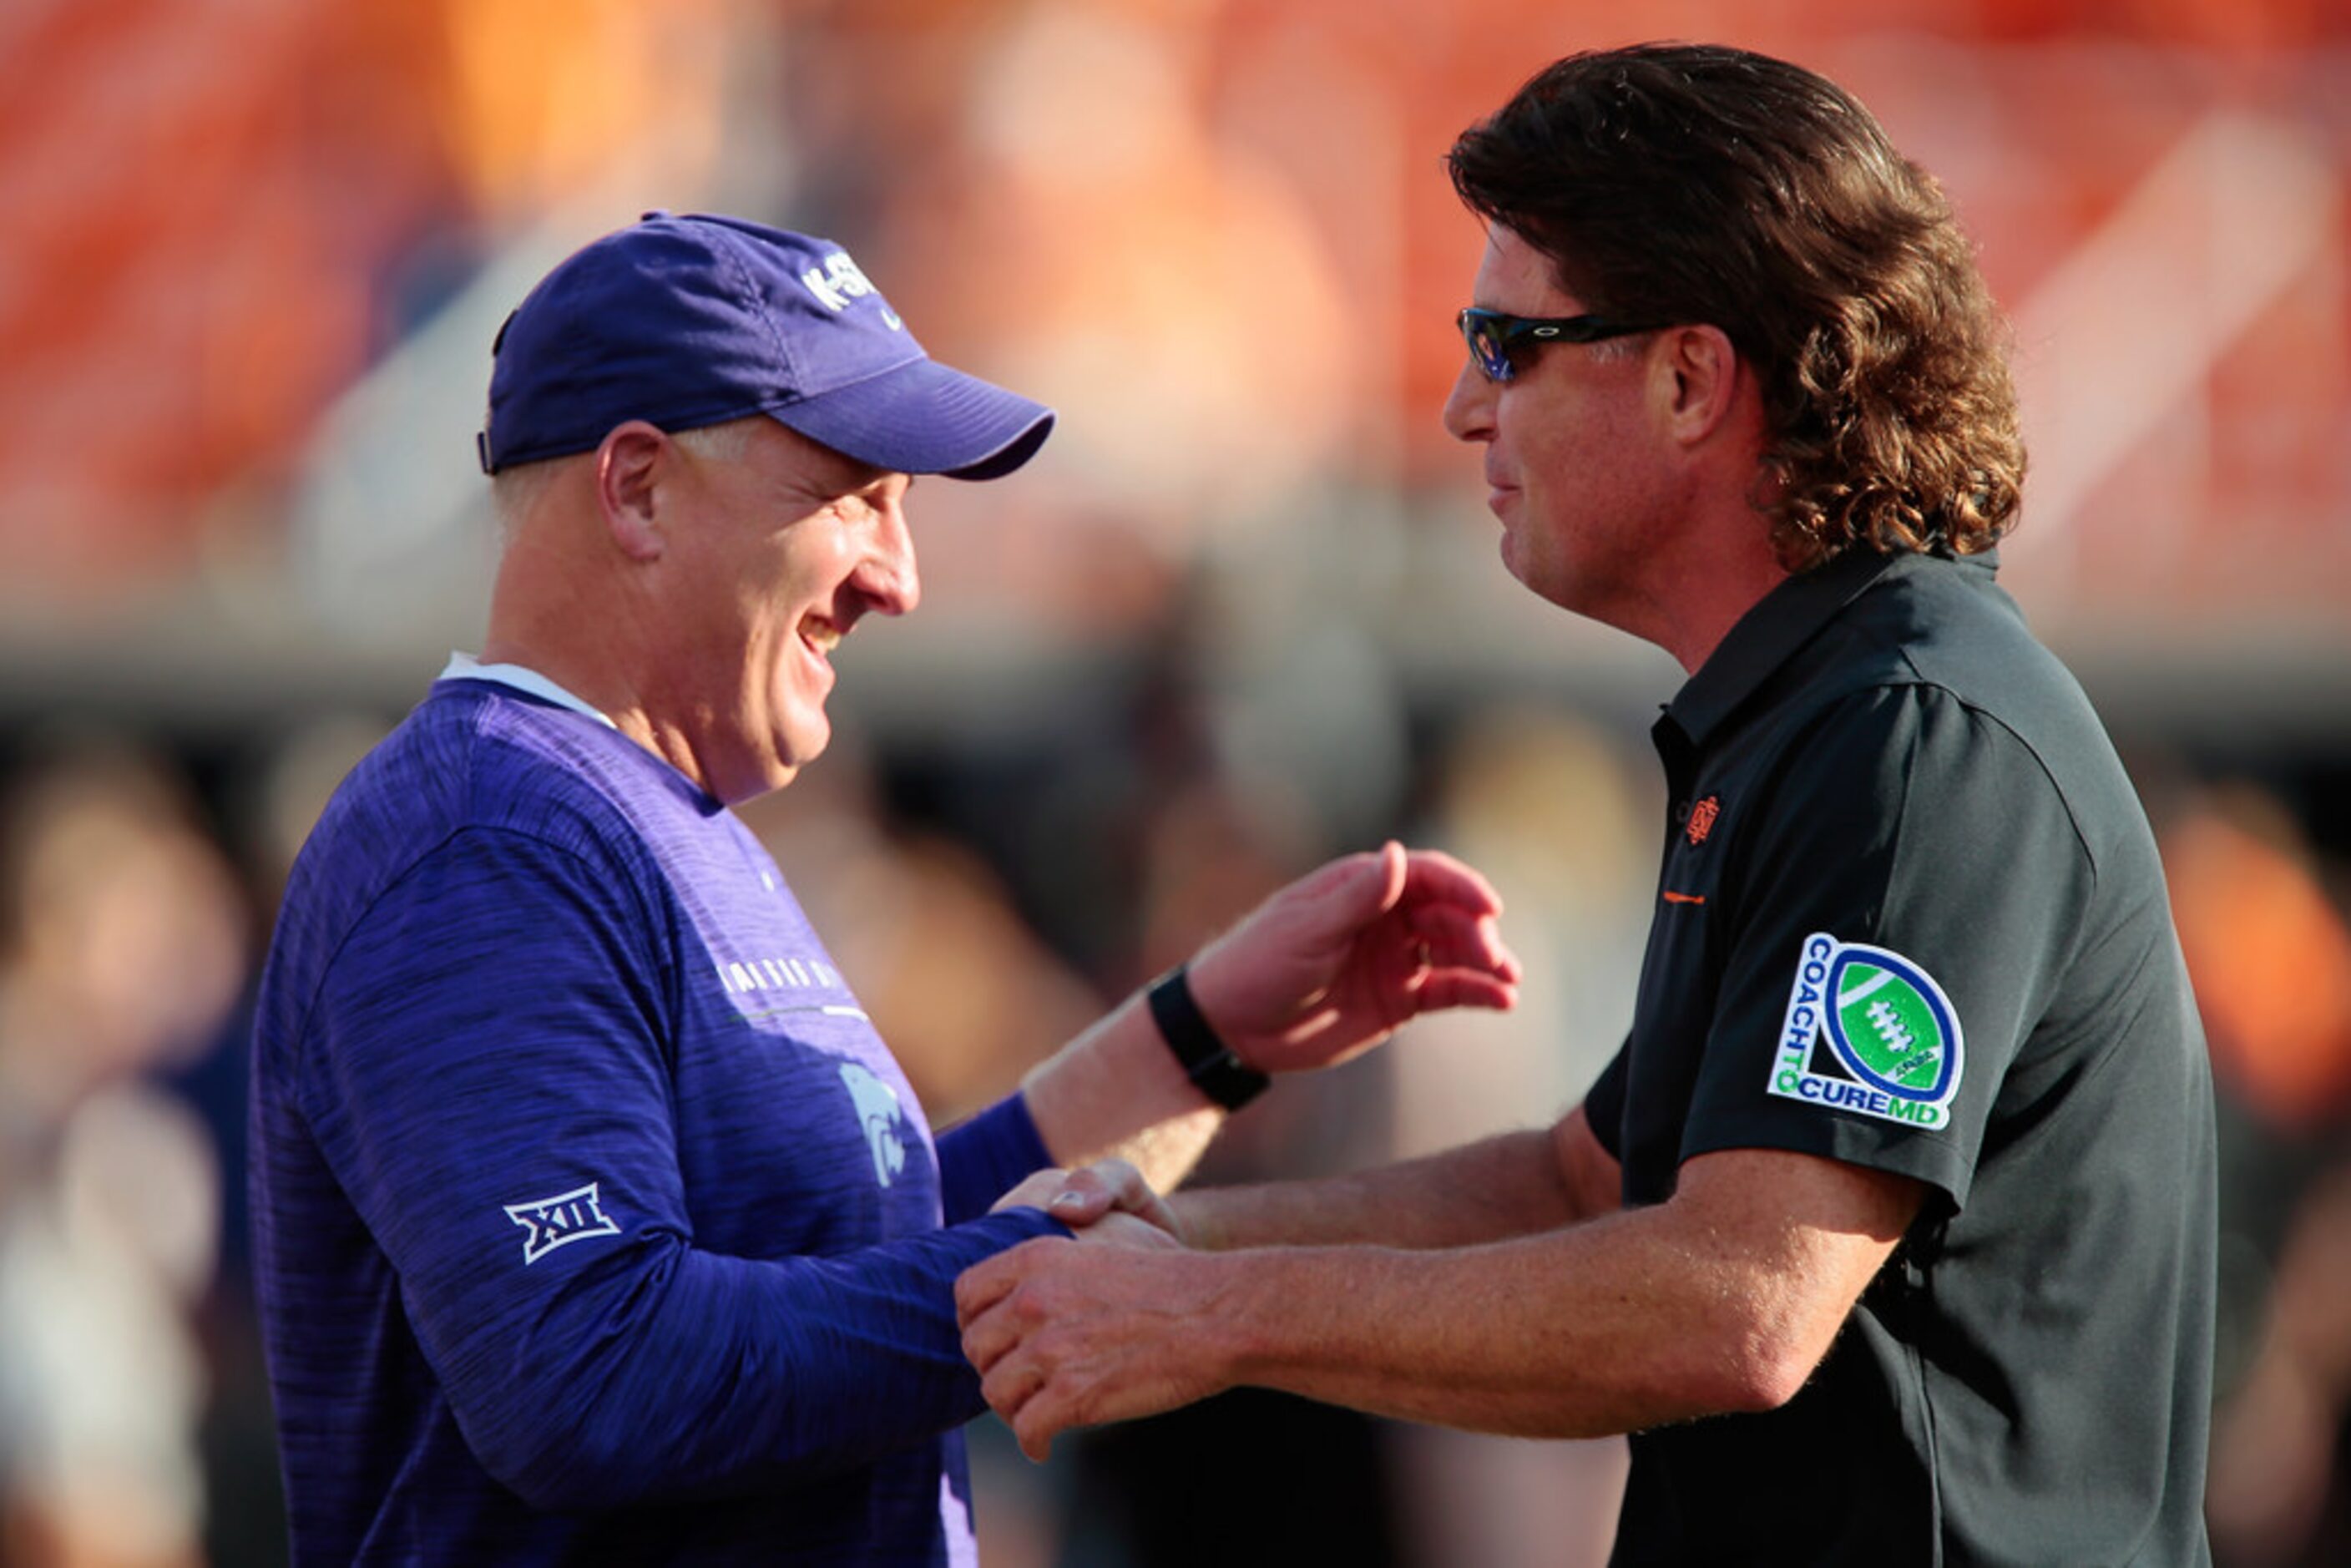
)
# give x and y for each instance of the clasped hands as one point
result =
(1124, 1321)
(1104, 1327)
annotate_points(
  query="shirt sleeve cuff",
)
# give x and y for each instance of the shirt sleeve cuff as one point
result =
(981, 1159)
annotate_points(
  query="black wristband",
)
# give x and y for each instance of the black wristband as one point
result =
(1206, 1061)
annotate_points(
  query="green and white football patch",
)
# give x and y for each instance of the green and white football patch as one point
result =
(1895, 1048)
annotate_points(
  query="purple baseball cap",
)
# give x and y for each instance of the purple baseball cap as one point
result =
(690, 321)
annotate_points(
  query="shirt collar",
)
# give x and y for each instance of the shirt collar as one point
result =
(1779, 623)
(465, 667)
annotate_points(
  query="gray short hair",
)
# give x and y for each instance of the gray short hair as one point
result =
(515, 492)
(719, 443)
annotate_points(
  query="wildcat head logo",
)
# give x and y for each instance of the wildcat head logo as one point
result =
(878, 1109)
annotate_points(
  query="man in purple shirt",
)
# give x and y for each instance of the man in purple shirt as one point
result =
(593, 1220)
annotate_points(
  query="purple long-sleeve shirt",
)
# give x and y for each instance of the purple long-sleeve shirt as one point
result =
(593, 1222)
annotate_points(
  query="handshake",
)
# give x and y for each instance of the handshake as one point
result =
(1107, 1201)
(1132, 1315)
(1106, 1326)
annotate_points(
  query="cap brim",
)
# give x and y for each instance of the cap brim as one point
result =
(924, 418)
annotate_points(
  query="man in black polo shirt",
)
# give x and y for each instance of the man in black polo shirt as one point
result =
(1889, 1231)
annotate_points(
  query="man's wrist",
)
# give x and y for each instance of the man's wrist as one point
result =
(1206, 1061)
(1195, 1221)
(1233, 1334)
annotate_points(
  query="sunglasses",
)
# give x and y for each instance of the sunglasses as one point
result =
(1500, 344)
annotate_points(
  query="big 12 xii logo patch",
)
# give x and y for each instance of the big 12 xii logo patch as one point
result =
(1870, 1032)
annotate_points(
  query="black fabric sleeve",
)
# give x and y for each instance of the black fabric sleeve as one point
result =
(1604, 1106)
(1908, 823)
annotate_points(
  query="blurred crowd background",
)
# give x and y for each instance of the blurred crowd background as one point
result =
(1243, 613)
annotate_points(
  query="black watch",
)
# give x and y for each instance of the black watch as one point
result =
(1206, 1061)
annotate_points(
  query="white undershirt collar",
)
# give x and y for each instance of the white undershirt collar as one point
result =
(465, 667)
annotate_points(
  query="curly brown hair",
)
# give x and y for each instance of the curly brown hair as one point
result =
(1691, 183)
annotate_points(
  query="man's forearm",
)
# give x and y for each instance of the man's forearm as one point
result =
(1117, 1090)
(1504, 1187)
(1723, 1298)
(1326, 967)
(1624, 1322)
(632, 1385)
(1518, 1184)
(1599, 1329)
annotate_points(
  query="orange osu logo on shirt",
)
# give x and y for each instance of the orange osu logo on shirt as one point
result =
(1701, 819)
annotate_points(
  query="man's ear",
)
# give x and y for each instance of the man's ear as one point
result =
(634, 464)
(1701, 381)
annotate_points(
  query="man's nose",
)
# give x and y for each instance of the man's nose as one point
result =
(887, 576)
(1469, 406)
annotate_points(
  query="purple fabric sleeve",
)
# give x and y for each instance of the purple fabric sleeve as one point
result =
(636, 1366)
(982, 1159)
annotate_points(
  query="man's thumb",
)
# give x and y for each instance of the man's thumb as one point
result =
(1373, 885)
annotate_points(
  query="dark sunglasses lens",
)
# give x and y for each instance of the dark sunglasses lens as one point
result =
(1484, 334)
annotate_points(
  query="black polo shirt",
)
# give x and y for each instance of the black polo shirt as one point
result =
(1911, 918)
